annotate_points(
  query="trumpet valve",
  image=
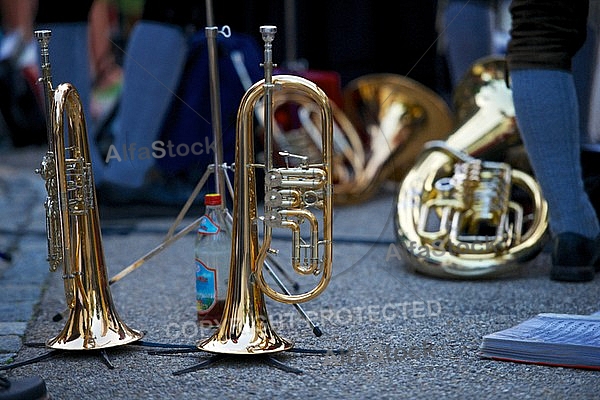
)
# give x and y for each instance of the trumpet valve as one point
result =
(283, 198)
(305, 178)
(273, 219)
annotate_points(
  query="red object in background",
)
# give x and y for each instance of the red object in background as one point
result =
(286, 115)
(329, 81)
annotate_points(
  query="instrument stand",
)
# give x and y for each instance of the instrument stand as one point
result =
(266, 358)
(173, 349)
(269, 360)
(55, 353)
(219, 169)
(102, 353)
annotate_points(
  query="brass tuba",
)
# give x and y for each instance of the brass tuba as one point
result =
(290, 192)
(72, 222)
(462, 211)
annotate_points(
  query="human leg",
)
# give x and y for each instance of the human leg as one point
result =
(17, 26)
(546, 105)
(153, 63)
(594, 110)
(547, 112)
(468, 30)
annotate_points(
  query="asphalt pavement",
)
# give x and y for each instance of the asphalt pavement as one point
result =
(388, 332)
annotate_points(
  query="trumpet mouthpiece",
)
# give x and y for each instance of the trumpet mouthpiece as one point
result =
(268, 32)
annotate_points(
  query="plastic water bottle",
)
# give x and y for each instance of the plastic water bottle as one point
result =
(212, 253)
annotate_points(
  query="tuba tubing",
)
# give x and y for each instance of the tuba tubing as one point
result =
(73, 224)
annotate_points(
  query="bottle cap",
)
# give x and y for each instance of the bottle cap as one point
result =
(212, 199)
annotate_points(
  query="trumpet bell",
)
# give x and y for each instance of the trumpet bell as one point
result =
(93, 321)
(508, 146)
(482, 71)
(245, 326)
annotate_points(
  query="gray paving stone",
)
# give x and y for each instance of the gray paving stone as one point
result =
(6, 358)
(13, 328)
(17, 311)
(14, 291)
(10, 343)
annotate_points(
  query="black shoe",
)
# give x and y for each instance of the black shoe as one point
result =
(575, 258)
(28, 388)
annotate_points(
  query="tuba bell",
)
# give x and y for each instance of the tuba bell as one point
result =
(297, 196)
(72, 222)
(462, 211)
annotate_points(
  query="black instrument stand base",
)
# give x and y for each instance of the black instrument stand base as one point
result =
(266, 358)
(42, 357)
(172, 349)
(102, 353)
(53, 354)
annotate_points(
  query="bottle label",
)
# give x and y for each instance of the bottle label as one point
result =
(206, 287)
(207, 226)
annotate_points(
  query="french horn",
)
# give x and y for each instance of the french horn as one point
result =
(72, 222)
(297, 197)
(462, 211)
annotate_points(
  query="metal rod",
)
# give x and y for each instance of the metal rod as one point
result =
(163, 245)
(290, 33)
(316, 330)
(43, 38)
(268, 35)
(215, 99)
(209, 13)
(190, 201)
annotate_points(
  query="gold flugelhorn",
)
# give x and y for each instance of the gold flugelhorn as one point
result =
(291, 191)
(72, 222)
(462, 211)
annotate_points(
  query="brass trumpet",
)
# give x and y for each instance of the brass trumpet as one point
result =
(460, 216)
(72, 222)
(291, 191)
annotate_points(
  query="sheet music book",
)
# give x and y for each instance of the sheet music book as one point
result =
(564, 340)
